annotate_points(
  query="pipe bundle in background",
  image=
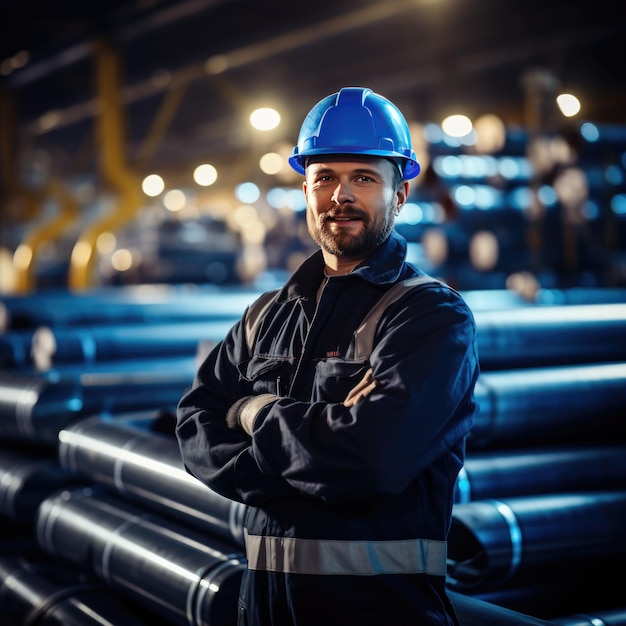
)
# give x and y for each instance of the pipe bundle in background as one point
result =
(145, 467)
(540, 505)
(26, 479)
(43, 593)
(549, 469)
(35, 408)
(539, 521)
(174, 571)
(497, 541)
(551, 335)
(139, 304)
(560, 404)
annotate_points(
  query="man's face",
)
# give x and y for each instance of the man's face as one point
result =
(351, 203)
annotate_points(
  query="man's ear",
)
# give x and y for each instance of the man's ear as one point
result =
(402, 195)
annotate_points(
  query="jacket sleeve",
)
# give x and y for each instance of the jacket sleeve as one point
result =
(425, 364)
(216, 455)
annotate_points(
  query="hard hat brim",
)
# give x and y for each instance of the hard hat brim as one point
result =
(409, 167)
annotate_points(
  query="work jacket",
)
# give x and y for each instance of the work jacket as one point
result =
(348, 508)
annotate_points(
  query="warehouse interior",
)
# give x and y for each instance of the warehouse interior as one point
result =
(143, 207)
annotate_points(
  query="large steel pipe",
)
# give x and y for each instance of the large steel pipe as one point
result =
(497, 542)
(476, 612)
(129, 390)
(146, 467)
(185, 364)
(35, 409)
(123, 305)
(53, 346)
(46, 594)
(608, 617)
(575, 591)
(551, 335)
(514, 473)
(26, 480)
(173, 570)
(580, 295)
(559, 404)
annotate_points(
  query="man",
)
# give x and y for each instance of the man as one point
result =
(347, 462)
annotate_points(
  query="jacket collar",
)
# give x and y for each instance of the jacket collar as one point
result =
(383, 266)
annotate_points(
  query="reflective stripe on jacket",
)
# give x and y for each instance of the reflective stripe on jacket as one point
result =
(345, 558)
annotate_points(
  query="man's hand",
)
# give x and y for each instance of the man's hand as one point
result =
(362, 389)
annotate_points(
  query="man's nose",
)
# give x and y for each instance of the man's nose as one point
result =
(343, 193)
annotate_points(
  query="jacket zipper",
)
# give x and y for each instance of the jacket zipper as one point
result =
(308, 332)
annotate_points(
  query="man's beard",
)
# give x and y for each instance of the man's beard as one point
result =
(346, 244)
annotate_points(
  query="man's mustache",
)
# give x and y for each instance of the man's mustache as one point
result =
(352, 213)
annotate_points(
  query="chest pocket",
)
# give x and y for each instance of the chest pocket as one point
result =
(267, 374)
(335, 377)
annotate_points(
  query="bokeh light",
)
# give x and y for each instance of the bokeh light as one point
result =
(265, 118)
(568, 104)
(153, 185)
(457, 125)
(247, 192)
(205, 175)
(174, 200)
(271, 163)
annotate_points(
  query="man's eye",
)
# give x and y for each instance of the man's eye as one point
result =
(365, 179)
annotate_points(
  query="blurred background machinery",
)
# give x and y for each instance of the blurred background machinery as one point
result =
(145, 200)
(146, 141)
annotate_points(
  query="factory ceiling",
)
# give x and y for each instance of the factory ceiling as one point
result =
(192, 70)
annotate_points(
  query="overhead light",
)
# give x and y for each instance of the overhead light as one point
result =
(568, 104)
(174, 200)
(152, 185)
(271, 163)
(265, 118)
(205, 174)
(457, 125)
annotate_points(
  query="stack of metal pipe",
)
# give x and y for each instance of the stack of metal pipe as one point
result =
(45, 593)
(539, 522)
(110, 356)
(542, 495)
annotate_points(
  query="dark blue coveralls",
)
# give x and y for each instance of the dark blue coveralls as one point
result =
(348, 508)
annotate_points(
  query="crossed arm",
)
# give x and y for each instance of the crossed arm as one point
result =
(243, 413)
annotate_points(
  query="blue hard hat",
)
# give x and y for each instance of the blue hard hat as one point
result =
(356, 121)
